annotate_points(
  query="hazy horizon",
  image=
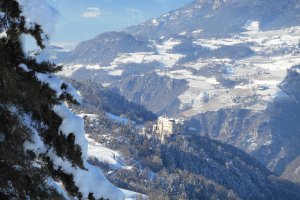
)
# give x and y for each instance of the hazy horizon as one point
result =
(85, 19)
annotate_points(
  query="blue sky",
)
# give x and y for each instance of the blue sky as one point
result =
(81, 20)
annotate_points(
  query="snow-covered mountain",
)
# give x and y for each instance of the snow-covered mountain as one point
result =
(96, 51)
(219, 18)
(230, 65)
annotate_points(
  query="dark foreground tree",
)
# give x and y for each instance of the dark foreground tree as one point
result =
(42, 144)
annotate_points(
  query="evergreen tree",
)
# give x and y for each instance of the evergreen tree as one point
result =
(41, 141)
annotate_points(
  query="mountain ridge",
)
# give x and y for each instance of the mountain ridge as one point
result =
(219, 18)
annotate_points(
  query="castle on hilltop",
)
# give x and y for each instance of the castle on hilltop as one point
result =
(167, 127)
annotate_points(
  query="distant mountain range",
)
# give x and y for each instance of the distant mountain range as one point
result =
(229, 66)
(219, 18)
(96, 51)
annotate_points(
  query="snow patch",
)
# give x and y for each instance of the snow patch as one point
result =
(52, 81)
(129, 195)
(24, 67)
(72, 124)
(155, 22)
(3, 35)
(36, 145)
(252, 25)
(58, 187)
(104, 154)
(56, 84)
(197, 32)
(75, 94)
(89, 180)
(116, 72)
(118, 119)
(164, 57)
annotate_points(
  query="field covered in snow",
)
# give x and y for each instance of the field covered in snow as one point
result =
(253, 79)
(256, 77)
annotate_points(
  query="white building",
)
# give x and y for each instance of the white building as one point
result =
(167, 127)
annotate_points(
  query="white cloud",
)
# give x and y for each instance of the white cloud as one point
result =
(92, 12)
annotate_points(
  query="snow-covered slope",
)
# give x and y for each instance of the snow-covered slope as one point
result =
(254, 79)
